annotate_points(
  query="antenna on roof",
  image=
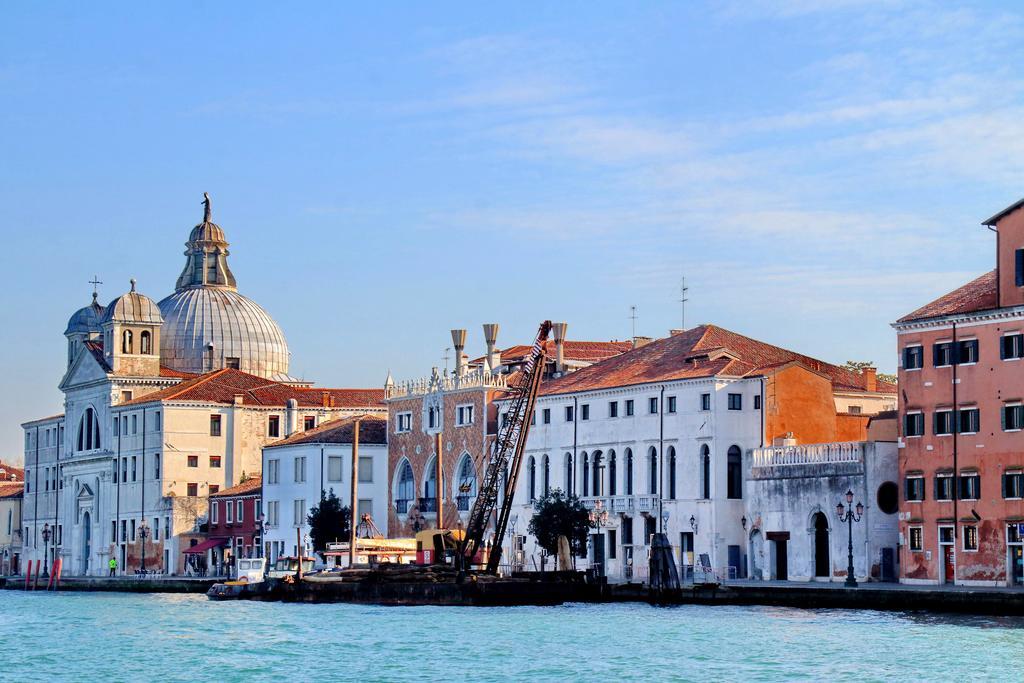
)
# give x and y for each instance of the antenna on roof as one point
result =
(682, 304)
(445, 357)
(632, 317)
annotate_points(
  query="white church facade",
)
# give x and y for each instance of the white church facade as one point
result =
(164, 404)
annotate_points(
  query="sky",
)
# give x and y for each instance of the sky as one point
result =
(388, 171)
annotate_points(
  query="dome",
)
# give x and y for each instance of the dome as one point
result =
(208, 328)
(207, 232)
(132, 307)
(86, 320)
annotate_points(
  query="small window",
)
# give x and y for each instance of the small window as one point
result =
(300, 469)
(945, 534)
(942, 422)
(192, 489)
(156, 466)
(967, 352)
(913, 357)
(215, 425)
(1012, 346)
(970, 537)
(229, 509)
(1018, 263)
(942, 354)
(613, 409)
(735, 401)
(365, 469)
(464, 416)
(546, 413)
(585, 411)
(969, 420)
(403, 422)
(629, 407)
(145, 343)
(239, 512)
(193, 461)
(913, 424)
(652, 405)
(705, 401)
(214, 488)
(273, 471)
(126, 396)
(916, 534)
(215, 513)
(970, 486)
(308, 422)
(757, 404)
(334, 466)
(671, 404)
(944, 487)
(274, 426)
(568, 413)
(214, 461)
(914, 489)
(1013, 485)
(1013, 417)
(233, 363)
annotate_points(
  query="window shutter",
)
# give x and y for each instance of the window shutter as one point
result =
(1002, 416)
(1019, 254)
(935, 354)
(1006, 486)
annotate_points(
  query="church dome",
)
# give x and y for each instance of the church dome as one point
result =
(208, 325)
(86, 320)
(132, 307)
(208, 328)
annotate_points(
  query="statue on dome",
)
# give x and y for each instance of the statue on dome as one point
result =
(206, 207)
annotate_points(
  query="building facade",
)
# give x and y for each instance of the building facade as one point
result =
(233, 527)
(961, 448)
(659, 438)
(12, 487)
(164, 403)
(299, 469)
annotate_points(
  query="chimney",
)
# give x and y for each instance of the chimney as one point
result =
(325, 398)
(871, 379)
(291, 416)
(558, 329)
(459, 341)
(491, 337)
(239, 399)
(641, 341)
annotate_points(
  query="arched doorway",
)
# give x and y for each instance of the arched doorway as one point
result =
(821, 555)
(86, 542)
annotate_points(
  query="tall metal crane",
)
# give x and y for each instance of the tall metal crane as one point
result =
(506, 457)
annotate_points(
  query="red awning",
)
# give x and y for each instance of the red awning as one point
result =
(206, 545)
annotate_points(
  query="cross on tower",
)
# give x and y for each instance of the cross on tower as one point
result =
(95, 282)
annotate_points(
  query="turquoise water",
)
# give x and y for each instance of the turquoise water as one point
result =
(122, 637)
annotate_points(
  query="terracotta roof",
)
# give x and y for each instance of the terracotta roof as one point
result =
(590, 351)
(703, 351)
(251, 485)
(221, 386)
(372, 430)
(8, 470)
(95, 347)
(11, 489)
(977, 295)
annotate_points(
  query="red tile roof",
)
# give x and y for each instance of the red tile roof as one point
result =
(979, 294)
(6, 470)
(221, 386)
(11, 489)
(248, 487)
(372, 430)
(590, 351)
(704, 351)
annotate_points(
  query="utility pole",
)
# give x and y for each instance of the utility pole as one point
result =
(354, 507)
(632, 317)
(682, 303)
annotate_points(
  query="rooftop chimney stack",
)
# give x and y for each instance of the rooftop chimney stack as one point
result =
(558, 329)
(459, 341)
(491, 337)
(871, 379)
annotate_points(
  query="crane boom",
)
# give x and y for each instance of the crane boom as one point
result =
(507, 455)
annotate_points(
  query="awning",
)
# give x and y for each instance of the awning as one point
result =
(206, 545)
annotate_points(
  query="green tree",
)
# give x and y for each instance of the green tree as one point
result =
(328, 521)
(859, 366)
(557, 514)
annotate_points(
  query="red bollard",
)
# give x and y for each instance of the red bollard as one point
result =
(57, 570)
(28, 574)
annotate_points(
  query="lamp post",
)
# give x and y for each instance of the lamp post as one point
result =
(46, 551)
(143, 533)
(850, 516)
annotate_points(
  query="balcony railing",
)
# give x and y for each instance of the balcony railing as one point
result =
(810, 454)
(402, 506)
(470, 379)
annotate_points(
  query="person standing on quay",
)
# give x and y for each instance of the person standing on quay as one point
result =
(113, 566)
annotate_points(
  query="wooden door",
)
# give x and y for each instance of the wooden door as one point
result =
(949, 563)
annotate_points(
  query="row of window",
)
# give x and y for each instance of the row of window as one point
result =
(145, 342)
(946, 421)
(234, 511)
(464, 417)
(963, 352)
(299, 511)
(121, 426)
(405, 486)
(335, 468)
(946, 537)
(967, 486)
(129, 529)
(735, 402)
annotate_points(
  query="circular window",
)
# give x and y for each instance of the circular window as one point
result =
(888, 497)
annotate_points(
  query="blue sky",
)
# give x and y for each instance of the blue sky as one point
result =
(387, 172)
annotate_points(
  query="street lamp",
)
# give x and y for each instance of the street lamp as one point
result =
(46, 553)
(850, 516)
(143, 533)
(664, 519)
(598, 516)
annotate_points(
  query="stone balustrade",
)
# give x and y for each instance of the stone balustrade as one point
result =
(471, 379)
(809, 454)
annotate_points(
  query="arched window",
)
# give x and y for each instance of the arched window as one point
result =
(568, 474)
(612, 488)
(466, 484)
(671, 472)
(586, 475)
(629, 471)
(705, 472)
(145, 343)
(88, 431)
(652, 459)
(126, 342)
(596, 473)
(405, 489)
(532, 474)
(734, 471)
(546, 480)
(429, 486)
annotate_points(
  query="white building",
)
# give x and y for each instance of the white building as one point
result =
(660, 437)
(297, 470)
(163, 404)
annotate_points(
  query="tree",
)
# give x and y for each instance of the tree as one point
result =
(328, 521)
(557, 514)
(859, 366)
